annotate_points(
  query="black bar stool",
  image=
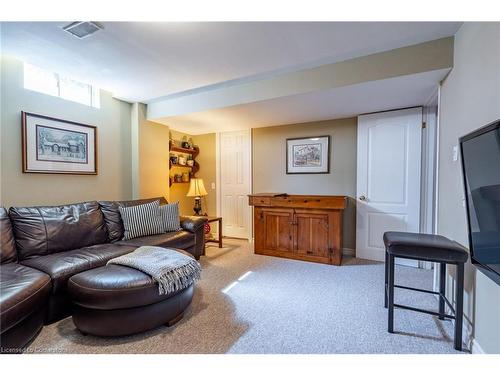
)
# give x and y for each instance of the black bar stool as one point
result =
(429, 248)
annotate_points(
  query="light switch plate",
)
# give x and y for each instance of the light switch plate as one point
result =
(213, 185)
(455, 153)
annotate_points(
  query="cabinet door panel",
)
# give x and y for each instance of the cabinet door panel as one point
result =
(278, 230)
(273, 230)
(312, 234)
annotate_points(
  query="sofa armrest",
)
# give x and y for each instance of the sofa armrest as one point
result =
(192, 223)
(195, 225)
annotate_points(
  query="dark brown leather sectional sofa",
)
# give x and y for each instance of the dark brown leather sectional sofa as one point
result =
(42, 247)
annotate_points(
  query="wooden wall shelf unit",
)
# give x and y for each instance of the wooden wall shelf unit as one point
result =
(193, 169)
(192, 151)
(303, 227)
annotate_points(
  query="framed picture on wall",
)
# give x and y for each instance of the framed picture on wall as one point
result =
(308, 155)
(52, 145)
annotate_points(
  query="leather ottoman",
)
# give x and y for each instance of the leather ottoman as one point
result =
(115, 301)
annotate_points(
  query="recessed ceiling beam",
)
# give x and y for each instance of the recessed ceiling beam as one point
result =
(419, 58)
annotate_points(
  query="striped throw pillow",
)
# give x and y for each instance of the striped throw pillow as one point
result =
(141, 220)
(170, 217)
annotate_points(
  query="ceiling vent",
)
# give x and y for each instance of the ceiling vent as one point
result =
(82, 29)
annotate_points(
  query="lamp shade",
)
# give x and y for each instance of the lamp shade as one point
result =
(196, 188)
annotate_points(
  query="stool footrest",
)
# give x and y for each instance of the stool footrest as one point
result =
(416, 289)
(404, 307)
(430, 292)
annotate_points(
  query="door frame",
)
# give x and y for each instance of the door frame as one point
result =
(434, 100)
(218, 179)
(430, 156)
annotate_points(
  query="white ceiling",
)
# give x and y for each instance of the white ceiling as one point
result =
(143, 61)
(387, 94)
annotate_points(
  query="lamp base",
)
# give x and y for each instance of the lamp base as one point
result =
(197, 206)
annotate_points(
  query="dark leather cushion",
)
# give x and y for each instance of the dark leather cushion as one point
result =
(61, 266)
(426, 247)
(19, 336)
(24, 290)
(178, 240)
(114, 287)
(7, 244)
(131, 320)
(47, 230)
(113, 219)
(192, 223)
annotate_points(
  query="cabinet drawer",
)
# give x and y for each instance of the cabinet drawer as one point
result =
(260, 201)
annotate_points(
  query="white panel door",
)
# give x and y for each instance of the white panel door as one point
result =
(235, 183)
(388, 179)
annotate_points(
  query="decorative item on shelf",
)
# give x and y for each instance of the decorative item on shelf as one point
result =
(178, 177)
(182, 160)
(182, 157)
(185, 177)
(185, 143)
(197, 190)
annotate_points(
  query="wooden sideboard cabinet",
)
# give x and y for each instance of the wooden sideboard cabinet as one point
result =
(303, 227)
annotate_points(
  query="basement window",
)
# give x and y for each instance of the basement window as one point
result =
(40, 80)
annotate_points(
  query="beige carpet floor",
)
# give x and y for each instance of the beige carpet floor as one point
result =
(278, 306)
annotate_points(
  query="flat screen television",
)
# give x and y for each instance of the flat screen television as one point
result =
(480, 153)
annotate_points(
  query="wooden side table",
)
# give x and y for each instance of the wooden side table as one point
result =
(212, 219)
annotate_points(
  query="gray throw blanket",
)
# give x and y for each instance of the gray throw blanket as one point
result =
(171, 269)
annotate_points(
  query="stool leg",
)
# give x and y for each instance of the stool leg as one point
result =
(442, 289)
(459, 308)
(390, 315)
(386, 277)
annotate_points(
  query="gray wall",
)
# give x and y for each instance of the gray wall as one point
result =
(114, 158)
(269, 165)
(470, 98)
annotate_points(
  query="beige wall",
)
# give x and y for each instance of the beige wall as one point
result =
(114, 155)
(133, 153)
(269, 165)
(207, 161)
(470, 98)
(152, 167)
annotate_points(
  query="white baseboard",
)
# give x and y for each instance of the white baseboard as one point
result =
(348, 252)
(476, 348)
(371, 254)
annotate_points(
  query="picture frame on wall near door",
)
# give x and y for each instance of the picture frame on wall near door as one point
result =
(51, 145)
(309, 155)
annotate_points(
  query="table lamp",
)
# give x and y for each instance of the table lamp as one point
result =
(197, 190)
